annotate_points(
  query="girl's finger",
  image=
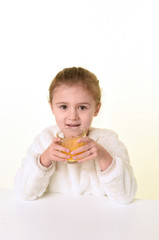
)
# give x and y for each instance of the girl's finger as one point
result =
(61, 149)
(87, 154)
(90, 157)
(57, 147)
(56, 140)
(60, 154)
(58, 159)
(84, 148)
(84, 139)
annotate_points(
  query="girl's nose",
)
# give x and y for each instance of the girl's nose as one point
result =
(73, 115)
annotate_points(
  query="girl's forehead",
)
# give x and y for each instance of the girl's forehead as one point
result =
(75, 91)
(70, 87)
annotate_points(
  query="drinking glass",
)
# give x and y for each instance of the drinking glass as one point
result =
(69, 139)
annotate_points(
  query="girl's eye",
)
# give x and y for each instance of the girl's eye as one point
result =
(63, 106)
(82, 107)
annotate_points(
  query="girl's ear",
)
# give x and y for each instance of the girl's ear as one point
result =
(97, 109)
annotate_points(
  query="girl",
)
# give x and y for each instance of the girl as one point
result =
(104, 168)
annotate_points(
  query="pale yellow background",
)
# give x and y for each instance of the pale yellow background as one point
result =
(117, 40)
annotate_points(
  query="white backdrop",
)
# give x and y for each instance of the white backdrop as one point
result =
(117, 40)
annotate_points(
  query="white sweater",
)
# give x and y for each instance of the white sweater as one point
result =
(117, 182)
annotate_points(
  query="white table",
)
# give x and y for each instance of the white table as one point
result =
(61, 217)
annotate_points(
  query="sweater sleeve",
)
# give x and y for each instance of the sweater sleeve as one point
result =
(118, 180)
(32, 178)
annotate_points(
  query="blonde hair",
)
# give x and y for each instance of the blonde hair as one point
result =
(77, 75)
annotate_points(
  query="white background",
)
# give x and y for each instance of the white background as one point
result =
(117, 40)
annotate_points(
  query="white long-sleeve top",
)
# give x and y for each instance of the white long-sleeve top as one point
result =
(117, 182)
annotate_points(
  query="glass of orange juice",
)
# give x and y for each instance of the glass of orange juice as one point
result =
(69, 139)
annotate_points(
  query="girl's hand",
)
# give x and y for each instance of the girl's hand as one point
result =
(54, 153)
(92, 150)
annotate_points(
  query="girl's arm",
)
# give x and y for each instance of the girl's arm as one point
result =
(112, 163)
(34, 175)
(32, 178)
(118, 180)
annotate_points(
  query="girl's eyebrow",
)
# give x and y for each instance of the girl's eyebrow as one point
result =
(61, 103)
(86, 103)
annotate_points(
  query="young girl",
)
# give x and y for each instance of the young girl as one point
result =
(104, 168)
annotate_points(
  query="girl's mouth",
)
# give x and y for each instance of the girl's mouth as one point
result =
(72, 125)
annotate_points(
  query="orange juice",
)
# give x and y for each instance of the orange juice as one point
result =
(69, 139)
(72, 144)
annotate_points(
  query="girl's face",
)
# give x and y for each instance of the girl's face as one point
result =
(73, 107)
